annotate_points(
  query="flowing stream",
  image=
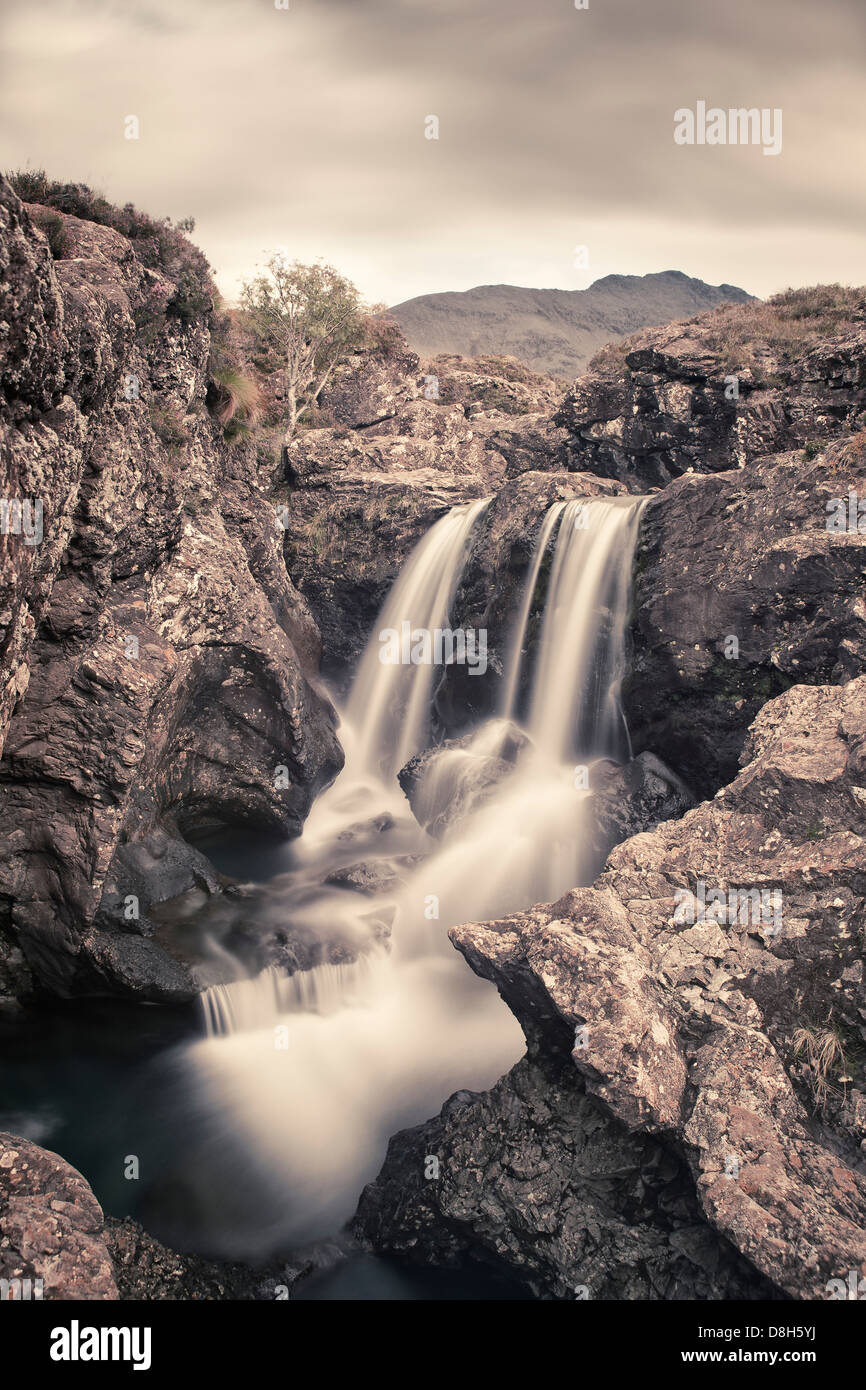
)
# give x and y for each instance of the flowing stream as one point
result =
(301, 1079)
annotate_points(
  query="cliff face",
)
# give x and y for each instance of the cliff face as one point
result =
(719, 390)
(157, 659)
(741, 591)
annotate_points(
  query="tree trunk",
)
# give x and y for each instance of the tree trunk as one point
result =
(293, 413)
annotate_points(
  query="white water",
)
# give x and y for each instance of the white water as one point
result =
(389, 706)
(302, 1080)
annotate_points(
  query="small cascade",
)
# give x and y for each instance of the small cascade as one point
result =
(389, 705)
(575, 695)
(245, 1005)
(296, 1129)
(514, 661)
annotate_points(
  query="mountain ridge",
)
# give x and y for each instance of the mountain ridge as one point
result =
(552, 330)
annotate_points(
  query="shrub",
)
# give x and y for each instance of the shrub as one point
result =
(383, 335)
(52, 225)
(158, 243)
(238, 397)
(168, 426)
(824, 1052)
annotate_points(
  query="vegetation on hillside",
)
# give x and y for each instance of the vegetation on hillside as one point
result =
(305, 318)
(159, 243)
(786, 324)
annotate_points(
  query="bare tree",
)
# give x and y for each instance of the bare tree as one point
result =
(310, 315)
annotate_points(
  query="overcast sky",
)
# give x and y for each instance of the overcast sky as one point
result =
(305, 129)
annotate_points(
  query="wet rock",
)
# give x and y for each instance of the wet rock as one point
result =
(374, 876)
(447, 783)
(634, 797)
(676, 985)
(51, 1227)
(150, 871)
(145, 1270)
(533, 1175)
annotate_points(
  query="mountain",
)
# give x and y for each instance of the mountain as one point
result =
(553, 331)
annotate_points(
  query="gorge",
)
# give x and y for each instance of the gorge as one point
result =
(363, 959)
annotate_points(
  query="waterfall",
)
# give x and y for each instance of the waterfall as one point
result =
(301, 1080)
(389, 705)
(574, 701)
(515, 660)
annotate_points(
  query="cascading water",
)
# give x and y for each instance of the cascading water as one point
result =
(575, 692)
(301, 1080)
(389, 705)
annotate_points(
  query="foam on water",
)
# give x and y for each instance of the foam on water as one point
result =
(301, 1080)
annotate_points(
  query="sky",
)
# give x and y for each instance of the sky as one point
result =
(305, 129)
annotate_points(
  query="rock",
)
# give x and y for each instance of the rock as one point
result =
(447, 783)
(151, 870)
(661, 404)
(374, 876)
(52, 1230)
(532, 1175)
(632, 798)
(740, 592)
(679, 1021)
(160, 668)
(146, 1270)
(51, 1227)
(482, 384)
(372, 385)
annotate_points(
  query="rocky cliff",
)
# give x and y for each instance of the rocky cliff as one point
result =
(716, 391)
(158, 664)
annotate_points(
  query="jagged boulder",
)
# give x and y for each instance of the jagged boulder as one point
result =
(673, 992)
(740, 591)
(52, 1239)
(717, 391)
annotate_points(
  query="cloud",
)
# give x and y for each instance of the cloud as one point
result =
(306, 128)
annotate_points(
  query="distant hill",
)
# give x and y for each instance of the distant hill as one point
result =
(553, 331)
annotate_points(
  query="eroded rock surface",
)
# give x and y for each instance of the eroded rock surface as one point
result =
(51, 1227)
(744, 585)
(159, 665)
(679, 1026)
(717, 391)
